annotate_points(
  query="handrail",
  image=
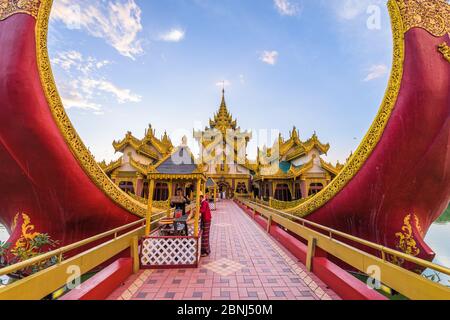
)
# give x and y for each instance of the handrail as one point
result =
(60, 251)
(383, 250)
(404, 281)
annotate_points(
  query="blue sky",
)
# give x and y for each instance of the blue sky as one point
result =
(315, 64)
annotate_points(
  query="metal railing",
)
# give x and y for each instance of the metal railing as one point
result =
(408, 283)
(49, 280)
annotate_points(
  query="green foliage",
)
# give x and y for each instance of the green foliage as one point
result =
(38, 245)
(445, 216)
(4, 247)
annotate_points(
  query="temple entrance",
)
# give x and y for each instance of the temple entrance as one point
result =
(225, 190)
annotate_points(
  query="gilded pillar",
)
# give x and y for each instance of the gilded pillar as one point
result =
(148, 227)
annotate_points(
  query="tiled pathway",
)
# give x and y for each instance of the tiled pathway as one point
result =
(246, 264)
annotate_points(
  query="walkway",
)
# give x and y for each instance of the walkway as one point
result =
(246, 264)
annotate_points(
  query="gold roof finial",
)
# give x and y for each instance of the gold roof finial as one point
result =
(223, 120)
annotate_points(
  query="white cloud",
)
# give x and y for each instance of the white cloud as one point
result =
(83, 86)
(74, 61)
(93, 86)
(174, 35)
(242, 78)
(117, 22)
(287, 8)
(351, 9)
(223, 83)
(269, 57)
(376, 71)
(80, 103)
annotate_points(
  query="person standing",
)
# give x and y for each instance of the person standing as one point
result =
(179, 202)
(205, 212)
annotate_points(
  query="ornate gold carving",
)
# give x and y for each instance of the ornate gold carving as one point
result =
(406, 242)
(372, 138)
(80, 151)
(11, 7)
(283, 205)
(27, 232)
(445, 50)
(431, 15)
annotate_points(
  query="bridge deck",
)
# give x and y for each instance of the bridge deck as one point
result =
(246, 263)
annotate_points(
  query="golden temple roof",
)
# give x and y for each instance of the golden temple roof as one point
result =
(223, 120)
(162, 146)
(294, 148)
(331, 168)
(113, 165)
(292, 173)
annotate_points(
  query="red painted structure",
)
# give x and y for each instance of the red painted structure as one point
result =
(40, 175)
(100, 286)
(407, 173)
(340, 281)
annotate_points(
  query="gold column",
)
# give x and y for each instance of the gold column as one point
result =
(148, 227)
(214, 195)
(204, 188)
(170, 189)
(197, 209)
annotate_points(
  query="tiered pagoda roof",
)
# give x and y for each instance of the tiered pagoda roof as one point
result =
(292, 149)
(150, 146)
(223, 120)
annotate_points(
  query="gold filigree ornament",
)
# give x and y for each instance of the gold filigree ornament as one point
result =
(27, 232)
(430, 15)
(445, 50)
(406, 242)
(80, 151)
(375, 133)
(11, 7)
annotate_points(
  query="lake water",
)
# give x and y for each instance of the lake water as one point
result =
(438, 238)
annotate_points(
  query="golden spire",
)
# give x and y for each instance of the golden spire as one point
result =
(223, 120)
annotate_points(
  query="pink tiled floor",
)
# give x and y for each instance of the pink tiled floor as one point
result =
(245, 264)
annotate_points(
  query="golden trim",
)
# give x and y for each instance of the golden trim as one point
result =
(12, 7)
(430, 15)
(375, 132)
(445, 50)
(81, 153)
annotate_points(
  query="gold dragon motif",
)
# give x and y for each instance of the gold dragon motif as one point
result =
(406, 241)
(445, 50)
(27, 233)
(11, 7)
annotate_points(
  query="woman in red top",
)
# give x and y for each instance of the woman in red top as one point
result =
(205, 212)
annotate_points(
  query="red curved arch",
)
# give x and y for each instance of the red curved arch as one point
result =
(405, 175)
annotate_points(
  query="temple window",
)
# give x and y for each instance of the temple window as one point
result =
(267, 191)
(127, 186)
(315, 188)
(282, 193)
(144, 193)
(298, 191)
(161, 192)
(241, 188)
